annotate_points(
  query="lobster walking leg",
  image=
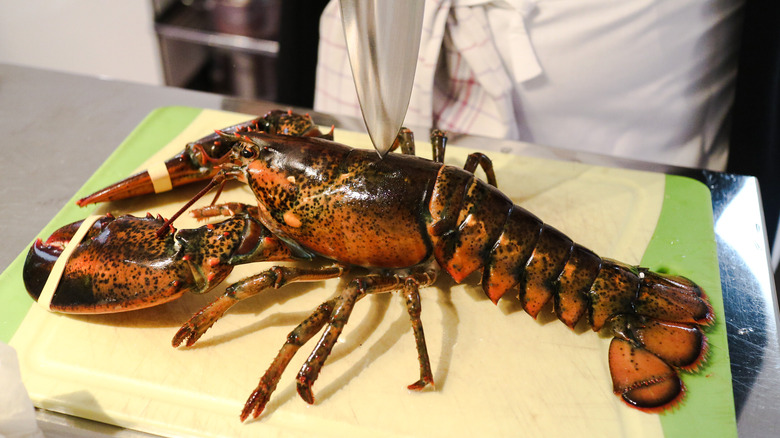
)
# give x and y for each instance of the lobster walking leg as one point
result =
(404, 140)
(357, 289)
(439, 144)
(479, 159)
(295, 340)
(333, 315)
(226, 209)
(412, 296)
(275, 277)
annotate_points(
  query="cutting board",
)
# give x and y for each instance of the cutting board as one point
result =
(498, 371)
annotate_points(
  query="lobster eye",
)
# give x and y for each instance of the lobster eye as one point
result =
(218, 149)
(249, 152)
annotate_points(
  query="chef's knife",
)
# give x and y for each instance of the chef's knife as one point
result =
(383, 39)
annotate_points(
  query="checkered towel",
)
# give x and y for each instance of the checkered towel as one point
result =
(644, 79)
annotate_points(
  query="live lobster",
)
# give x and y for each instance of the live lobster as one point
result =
(404, 218)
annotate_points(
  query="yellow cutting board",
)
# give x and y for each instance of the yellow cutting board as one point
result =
(498, 372)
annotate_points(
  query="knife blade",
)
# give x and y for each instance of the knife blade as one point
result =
(383, 40)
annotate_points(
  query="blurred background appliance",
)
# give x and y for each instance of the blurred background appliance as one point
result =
(261, 49)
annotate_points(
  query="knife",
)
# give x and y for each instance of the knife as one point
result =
(383, 40)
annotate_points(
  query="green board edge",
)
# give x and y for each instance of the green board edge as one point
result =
(679, 249)
(154, 132)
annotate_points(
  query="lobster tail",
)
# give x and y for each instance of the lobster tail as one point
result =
(641, 378)
(680, 345)
(542, 269)
(672, 298)
(655, 318)
(577, 276)
(461, 238)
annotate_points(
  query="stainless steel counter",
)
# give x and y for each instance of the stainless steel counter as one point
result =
(57, 129)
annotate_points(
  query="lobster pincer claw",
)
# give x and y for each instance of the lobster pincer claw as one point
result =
(119, 264)
(95, 278)
(200, 160)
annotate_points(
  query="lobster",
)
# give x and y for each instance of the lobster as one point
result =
(200, 159)
(405, 218)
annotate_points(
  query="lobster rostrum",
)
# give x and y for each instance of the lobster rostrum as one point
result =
(200, 160)
(405, 218)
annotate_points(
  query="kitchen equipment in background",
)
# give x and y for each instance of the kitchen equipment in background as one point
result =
(223, 46)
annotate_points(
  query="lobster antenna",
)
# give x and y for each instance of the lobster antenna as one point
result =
(219, 192)
(218, 179)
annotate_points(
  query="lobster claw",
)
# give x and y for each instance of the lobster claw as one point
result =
(201, 159)
(97, 277)
(42, 256)
(180, 171)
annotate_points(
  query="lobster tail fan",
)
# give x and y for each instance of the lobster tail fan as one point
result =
(642, 379)
(672, 298)
(679, 345)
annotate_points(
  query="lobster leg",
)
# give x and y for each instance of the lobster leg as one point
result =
(474, 160)
(404, 140)
(333, 315)
(479, 159)
(295, 340)
(357, 289)
(412, 296)
(439, 144)
(227, 209)
(275, 277)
